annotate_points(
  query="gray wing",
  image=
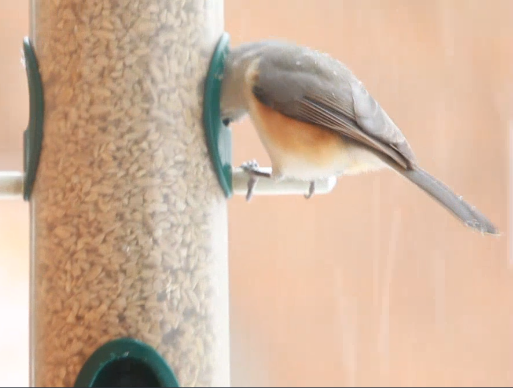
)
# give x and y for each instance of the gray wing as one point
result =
(314, 88)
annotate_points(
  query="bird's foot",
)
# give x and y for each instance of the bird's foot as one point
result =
(311, 190)
(251, 167)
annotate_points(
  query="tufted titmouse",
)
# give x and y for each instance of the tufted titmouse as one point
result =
(316, 120)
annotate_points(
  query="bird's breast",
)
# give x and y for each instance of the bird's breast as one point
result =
(306, 151)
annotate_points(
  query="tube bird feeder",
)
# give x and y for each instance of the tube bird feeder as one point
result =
(127, 171)
(128, 224)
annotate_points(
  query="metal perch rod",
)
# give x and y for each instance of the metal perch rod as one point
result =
(11, 185)
(268, 186)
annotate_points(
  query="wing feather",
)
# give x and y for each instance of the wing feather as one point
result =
(314, 88)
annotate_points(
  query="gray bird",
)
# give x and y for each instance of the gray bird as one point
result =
(316, 120)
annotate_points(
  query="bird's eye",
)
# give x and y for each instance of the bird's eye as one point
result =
(226, 122)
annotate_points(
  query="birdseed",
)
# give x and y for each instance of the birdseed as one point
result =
(130, 224)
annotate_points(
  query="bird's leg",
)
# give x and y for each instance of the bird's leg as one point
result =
(311, 190)
(251, 167)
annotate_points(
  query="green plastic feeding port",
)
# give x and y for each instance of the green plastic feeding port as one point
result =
(126, 362)
(33, 135)
(218, 135)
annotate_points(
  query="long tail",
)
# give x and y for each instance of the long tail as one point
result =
(465, 212)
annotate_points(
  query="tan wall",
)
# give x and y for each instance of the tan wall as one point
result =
(374, 283)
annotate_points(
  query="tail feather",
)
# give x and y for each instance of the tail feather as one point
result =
(465, 212)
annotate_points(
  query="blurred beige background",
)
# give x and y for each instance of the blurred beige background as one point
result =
(374, 284)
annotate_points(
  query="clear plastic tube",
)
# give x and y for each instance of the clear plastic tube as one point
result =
(129, 224)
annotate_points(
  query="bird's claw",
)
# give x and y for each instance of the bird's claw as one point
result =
(251, 167)
(251, 185)
(311, 190)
